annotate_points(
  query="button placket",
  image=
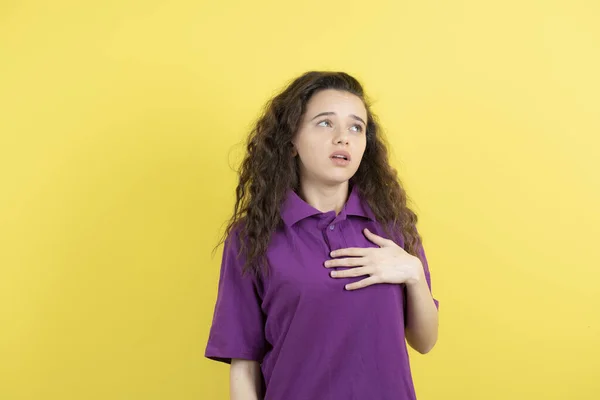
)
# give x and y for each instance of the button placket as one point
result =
(333, 235)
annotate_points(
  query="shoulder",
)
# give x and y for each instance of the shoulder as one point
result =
(236, 230)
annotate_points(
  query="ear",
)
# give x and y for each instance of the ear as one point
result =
(294, 151)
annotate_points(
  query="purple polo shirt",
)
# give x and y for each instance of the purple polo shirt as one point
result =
(314, 339)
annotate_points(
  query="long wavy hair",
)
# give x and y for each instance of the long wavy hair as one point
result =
(269, 170)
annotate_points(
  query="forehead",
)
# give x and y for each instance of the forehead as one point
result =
(337, 101)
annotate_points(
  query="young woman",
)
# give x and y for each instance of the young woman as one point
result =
(324, 278)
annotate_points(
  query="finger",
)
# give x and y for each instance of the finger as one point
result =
(363, 283)
(351, 273)
(345, 262)
(350, 252)
(378, 240)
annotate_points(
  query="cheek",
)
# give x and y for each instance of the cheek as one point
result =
(361, 146)
(310, 146)
(310, 157)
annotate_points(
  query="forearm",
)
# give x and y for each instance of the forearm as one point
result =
(422, 316)
(245, 380)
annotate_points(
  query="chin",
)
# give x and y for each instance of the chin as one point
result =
(337, 180)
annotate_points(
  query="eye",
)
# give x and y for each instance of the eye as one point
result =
(325, 121)
(359, 128)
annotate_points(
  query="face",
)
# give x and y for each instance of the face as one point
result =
(331, 139)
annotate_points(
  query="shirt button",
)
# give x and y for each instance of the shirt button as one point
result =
(331, 227)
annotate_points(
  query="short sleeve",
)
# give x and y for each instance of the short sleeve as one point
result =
(237, 329)
(427, 273)
(423, 258)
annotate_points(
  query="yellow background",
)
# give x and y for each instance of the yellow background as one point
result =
(120, 122)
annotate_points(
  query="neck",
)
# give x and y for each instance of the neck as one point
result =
(325, 198)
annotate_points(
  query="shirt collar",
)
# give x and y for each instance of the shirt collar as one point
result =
(295, 209)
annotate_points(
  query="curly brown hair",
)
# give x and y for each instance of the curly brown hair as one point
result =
(269, 170)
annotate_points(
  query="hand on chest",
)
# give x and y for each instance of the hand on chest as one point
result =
(297, 256)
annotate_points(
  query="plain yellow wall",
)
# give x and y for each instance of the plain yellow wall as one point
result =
(120, 120)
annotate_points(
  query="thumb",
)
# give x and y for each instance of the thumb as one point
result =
(378, 240)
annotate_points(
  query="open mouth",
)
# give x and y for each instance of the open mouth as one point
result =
(340, 157)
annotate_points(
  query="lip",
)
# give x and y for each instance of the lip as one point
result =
(341, 153)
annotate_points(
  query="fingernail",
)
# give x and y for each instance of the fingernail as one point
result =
(332, 273)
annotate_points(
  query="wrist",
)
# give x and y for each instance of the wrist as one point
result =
(418, 274)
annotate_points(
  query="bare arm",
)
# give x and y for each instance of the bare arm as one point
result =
(422, 316)
(245, 380)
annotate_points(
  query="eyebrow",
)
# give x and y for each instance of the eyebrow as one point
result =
(356, 117)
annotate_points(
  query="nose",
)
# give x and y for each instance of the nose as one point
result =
(340, 136)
